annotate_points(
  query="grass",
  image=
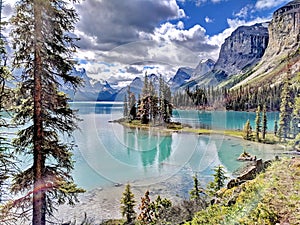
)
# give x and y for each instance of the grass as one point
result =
(114, 222)
(177, 127)
(272, 197)
(232, 133)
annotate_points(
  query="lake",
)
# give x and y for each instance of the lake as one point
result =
(109, 153)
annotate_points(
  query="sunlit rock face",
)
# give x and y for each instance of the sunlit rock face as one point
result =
(284, 30)
(243, 49)
(283, 47)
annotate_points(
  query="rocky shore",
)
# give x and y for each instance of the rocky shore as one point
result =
(103, 203)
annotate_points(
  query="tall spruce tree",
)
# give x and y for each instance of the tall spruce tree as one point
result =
(264, 122)
(127, 205)
(285, 109)
(7, 163)
(125, 107)
(247, 133)
(275, 127)
(219, 180)
(257, 123)
(296, 111)
(197, 190)
(43, 51)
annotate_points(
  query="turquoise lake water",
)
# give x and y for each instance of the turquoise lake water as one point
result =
(109, 153)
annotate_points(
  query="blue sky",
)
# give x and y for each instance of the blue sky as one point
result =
(213, 15)
(121, 39)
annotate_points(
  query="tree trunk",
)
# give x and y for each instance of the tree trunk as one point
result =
(39, 195)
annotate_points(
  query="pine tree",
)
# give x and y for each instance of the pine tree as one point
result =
(167, 106)
(296, 116)
(125, 107)
(264, 122)
(247, 131)
(197, 190)
(296, 111)
(146, 214)
(158, 207)
(127, 207)
(219, 180)
(257, 123)
(275, 127)
(285, 110)
(7, 159)
(161, 97)
(145, 101)
(43, 50)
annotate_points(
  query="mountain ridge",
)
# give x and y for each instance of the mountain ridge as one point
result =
(252, 55)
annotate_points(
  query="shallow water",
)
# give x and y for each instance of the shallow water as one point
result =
(109, 153)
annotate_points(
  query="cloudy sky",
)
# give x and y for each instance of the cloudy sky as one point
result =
(121, 39)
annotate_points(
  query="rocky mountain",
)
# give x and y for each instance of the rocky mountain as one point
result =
(92, 90)
(190, 76)
(243, 49)
(284, 47)
(182, 75)
(136, 87)
(258, 54)
(204, 67)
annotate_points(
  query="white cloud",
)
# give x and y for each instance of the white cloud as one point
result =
(267, 4)
(208, 20)
(194, 38)
(116, 22)
(200, 2)
(244, 12)
(180, 25)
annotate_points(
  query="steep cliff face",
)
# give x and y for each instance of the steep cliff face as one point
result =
(284, 30)
(244, 48)
(283, 48)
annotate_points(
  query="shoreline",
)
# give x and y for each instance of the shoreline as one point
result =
(179, 128)
(103, 203)
(184, 128)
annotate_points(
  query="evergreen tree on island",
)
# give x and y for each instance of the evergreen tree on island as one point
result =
(44, 47)
(152, 106)
(125, 107)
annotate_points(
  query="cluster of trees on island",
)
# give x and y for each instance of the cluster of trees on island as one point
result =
(150, 107)
(158, 107)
